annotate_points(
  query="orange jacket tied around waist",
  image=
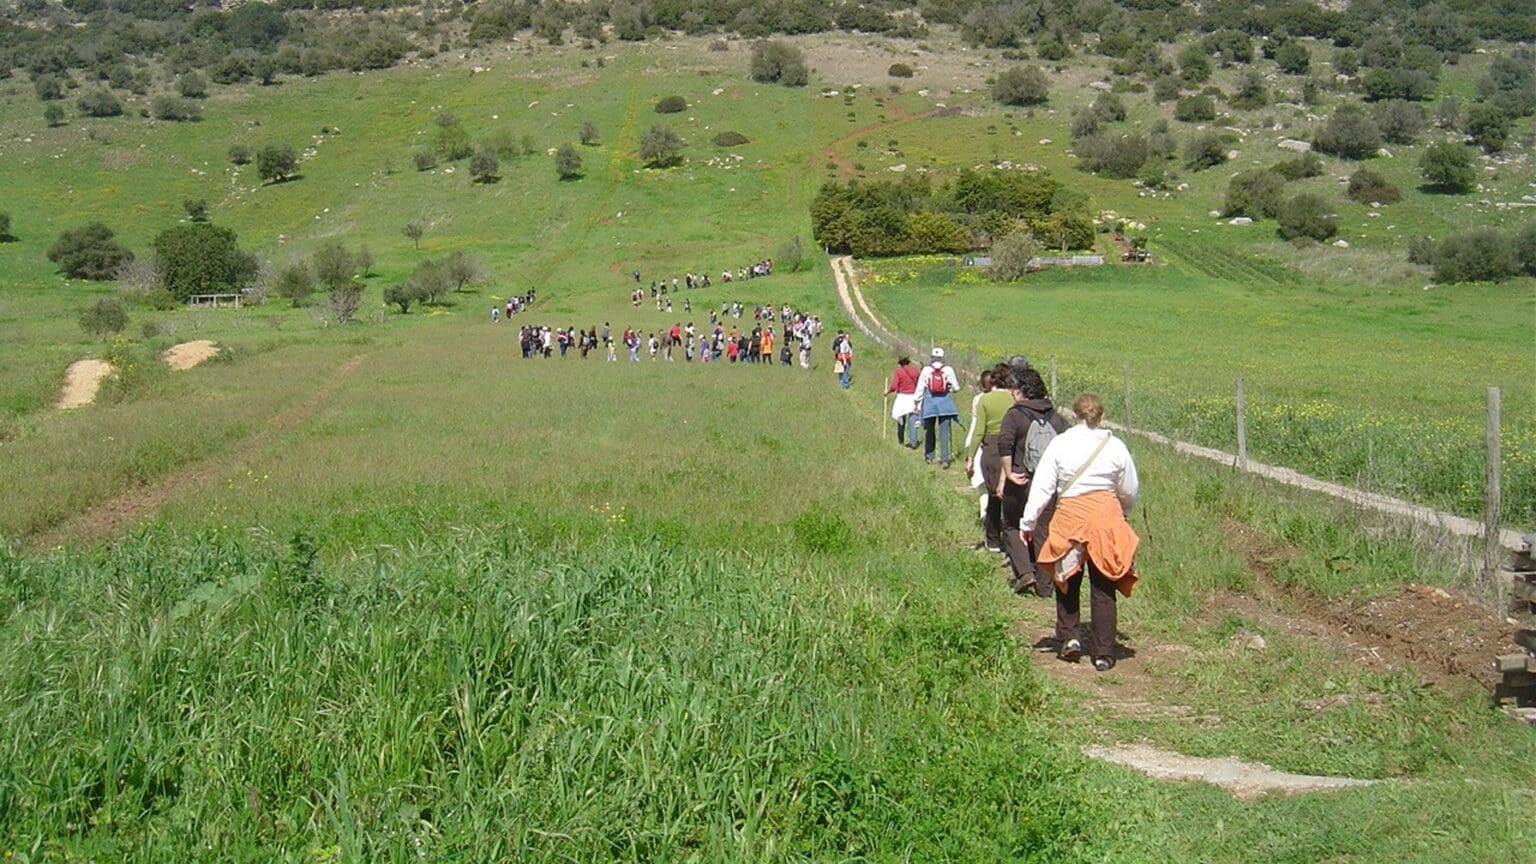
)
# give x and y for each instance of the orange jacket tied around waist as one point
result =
(1095, 524)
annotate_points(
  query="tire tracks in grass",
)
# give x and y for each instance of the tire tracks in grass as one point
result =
(122, 511)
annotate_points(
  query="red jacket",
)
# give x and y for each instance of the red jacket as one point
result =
(904, 380)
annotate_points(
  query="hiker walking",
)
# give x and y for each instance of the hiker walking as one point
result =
(936, 406)
(1090, 473)
(842, 354)
(1027, 428)
(904, 406)
(987, 411)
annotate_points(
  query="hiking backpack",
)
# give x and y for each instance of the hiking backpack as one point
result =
(1037, 437)
(938, 383)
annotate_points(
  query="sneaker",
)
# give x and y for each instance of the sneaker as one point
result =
(1103, 664)
(1070, 650)
(992, 547)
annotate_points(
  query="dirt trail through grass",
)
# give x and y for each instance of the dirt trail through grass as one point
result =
(117, 514)
(898, 117)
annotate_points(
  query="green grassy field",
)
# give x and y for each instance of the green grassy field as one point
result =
(410, 597)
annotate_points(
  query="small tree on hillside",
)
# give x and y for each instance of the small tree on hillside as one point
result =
(5, 227)
(197, 209)
(1255, 194)
(1368, 187)
(1307, 215)
(589, 134)
(53, 115)
(100, 103)
(364, 261)
(1022, 85)
(1195, 108)
(1447, 167)
(567, 162)
(404, 294)
(1011, 255)
(295, 283)
(1350, 133)
(89, 251)
(344, 301)
(432, 279)
(199, 258)
(239, 154)
(192, 86)
(483, 166)
(105, 317)
(1205, 150)
(276, 162)
(660, 146)
(779, 62)
(463, 269)
(175, 109)
(1525, 248)
(334, 265)
(790, 255)
(672, 105)
(414, 231)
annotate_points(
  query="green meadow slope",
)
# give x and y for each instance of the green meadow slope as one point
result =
(385, 591)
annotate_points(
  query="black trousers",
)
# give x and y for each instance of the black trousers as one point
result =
(1021, 556)
(1101, 604)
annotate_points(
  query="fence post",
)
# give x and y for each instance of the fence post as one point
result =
(1242, 426)
(1054, 395)
(1492, 491)
(1125, 383)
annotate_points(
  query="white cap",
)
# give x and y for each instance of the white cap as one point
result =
(938, 353)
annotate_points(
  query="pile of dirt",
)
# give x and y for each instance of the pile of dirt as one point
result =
(81, 381)
(189, 354)
(1447, 637)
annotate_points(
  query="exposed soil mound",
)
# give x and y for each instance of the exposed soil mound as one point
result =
(81, 381)
(189, 354)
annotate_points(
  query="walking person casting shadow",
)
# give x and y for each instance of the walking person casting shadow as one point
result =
(1090, 474)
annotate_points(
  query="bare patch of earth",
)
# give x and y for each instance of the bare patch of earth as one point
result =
(1242, 779)
(81, 382)
(189, 354)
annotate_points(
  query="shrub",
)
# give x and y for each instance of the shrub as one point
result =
(452, 143)
(589, 135)
(730, 139)
(1400, 121)
(789, 255)
(935, 232)
(1011, 255)
(1421, 250)
(1350, 134)
(1195, 108)
(1119, 156)
(1293, 58)
(89, 252)
(105, 317)
(197, 209)
(1307, 215)
(1205, 150)
(53, 115)
(192, 86)
(414, 231)
(295, 283)
(661, 147)
(483, 165)
(276, 162)
(239, 154)
(1166, 88)
(672, 105)
(899, 70)
(425, 160)
(567, 162)
(778, 62)
(344, 301)
(160, 300)
(1479, 255)
(1255, 194)
(1303, 166)
(1488, 126)
(100, 103)
(1194, 64)
(405, 294)
(1368, 187)
(1251, 93)
(5, 227)
(47, 87)
(1525, 248)
(1021, 85)
(1447, 167)
(201, 259)
(175, 109)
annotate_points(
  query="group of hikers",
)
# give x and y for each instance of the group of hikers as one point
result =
(1056, 487)
(660, 289)
(515, 304)
(717, 343)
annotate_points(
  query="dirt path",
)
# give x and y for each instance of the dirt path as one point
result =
(117, 514)
(81, 381)
(898, 117)
(1242, 779)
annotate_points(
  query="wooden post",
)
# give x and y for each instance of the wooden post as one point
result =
(1492, 491)
(1054, 395)
(1242, 426)
(1125, 383)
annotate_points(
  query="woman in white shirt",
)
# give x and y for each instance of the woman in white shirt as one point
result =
(1091, 474)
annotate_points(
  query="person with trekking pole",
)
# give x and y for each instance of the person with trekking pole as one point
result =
(1093, 479)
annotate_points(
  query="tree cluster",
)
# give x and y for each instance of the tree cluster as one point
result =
(909, 216)
(1479, 255)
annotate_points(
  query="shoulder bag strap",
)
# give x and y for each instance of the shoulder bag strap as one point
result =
(1081, 471)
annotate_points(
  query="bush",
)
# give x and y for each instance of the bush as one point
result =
(239, 154)
(1488, 126)
(1400, 121)
(405, 294)
(100, 103)
(1479, 255)
(1255, 194)
(1303, 166)
(197, 209)
(105, 317)
(1307, 215)
(1195, 108)
(175, 109)
(1293, 58)
(899, 70)
(789, 255)
(192, 86)
(1447, 167)
(483, 165)
(452, 143)
(53, 115)
(1011, 255)
(1368, 187)
(930, 232)
(1022, 85)
(779, 62)
(1119, 156)
(295, 283)
(1251, 93)
(672, 105)
(199, 258)
(730, 139)
(425, 160)
(344, 301)
(589, 134)
(822, 532)
(47, 87)
(1350, 134)
(1205, 150)
(89, 252)
(1166, 88)
(567, 162)
(5, 227)
(1525, 249)
(276, 162)
(660, 147)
